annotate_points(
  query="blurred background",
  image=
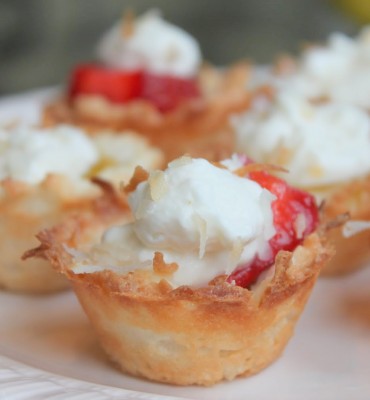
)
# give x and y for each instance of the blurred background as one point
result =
(40, 40)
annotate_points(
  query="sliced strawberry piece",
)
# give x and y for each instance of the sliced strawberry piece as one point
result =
(118, 86)
(295, 211)
(167, 92)
(245, 275)
(295, 216)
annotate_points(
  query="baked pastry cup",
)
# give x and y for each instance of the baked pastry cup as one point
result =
(26, 208)
(352, 252)
(343, 185)
(199, 127)
(188, 336)
(33, 196)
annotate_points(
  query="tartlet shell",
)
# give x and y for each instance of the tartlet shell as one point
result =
(199, 127)
(192, 336)
(352, 253)
(27, 209)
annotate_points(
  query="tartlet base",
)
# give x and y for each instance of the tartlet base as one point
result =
(188, 336)
(27, 209)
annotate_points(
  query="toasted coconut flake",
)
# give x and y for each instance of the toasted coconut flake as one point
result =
(101, 165)
(140, 175)
(301, 261)
(160, 267)
(157, 184)
(351, 228)
(263, 282)
(300, 225)
(339, 220)
(202, 227)
(236, 252)
(128, 24)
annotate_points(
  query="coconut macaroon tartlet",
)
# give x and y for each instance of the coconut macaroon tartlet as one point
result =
(45, 177)
(149, 78)
(208, 280)
(316, 124)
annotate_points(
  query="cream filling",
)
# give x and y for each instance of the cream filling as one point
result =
(203, 218)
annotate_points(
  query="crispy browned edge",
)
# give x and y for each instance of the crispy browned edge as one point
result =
(198, 127)
(354, 252)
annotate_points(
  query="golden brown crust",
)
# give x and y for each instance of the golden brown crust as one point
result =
(199, 127)
(190, 336)
(354, 252)
(27, 209)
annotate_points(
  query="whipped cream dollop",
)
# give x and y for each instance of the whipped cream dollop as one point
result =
(29, 154)
(153, 44)
(202, 217)
(337, 70)
(320, 144)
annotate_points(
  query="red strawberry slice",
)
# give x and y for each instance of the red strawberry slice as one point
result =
(295, 216)
(168, 92)
(118, 86)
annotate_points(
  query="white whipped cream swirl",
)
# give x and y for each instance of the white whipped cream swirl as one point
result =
(320, 144)
(153, 45)
(202, 217)
(29, 154)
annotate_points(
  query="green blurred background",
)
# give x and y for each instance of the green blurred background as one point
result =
(40, 40)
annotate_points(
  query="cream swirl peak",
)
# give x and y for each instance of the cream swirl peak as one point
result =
(152, 44)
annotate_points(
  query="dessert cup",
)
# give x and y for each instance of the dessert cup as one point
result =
(188, 336)
(44, 179)
(225, 302)
(316, 124)
(26, 209)
(150, 77)
(199, 127)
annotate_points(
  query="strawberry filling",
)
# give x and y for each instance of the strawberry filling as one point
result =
(295, 216)
(165, 92)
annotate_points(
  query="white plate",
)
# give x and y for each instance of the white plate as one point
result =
(48, 350)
